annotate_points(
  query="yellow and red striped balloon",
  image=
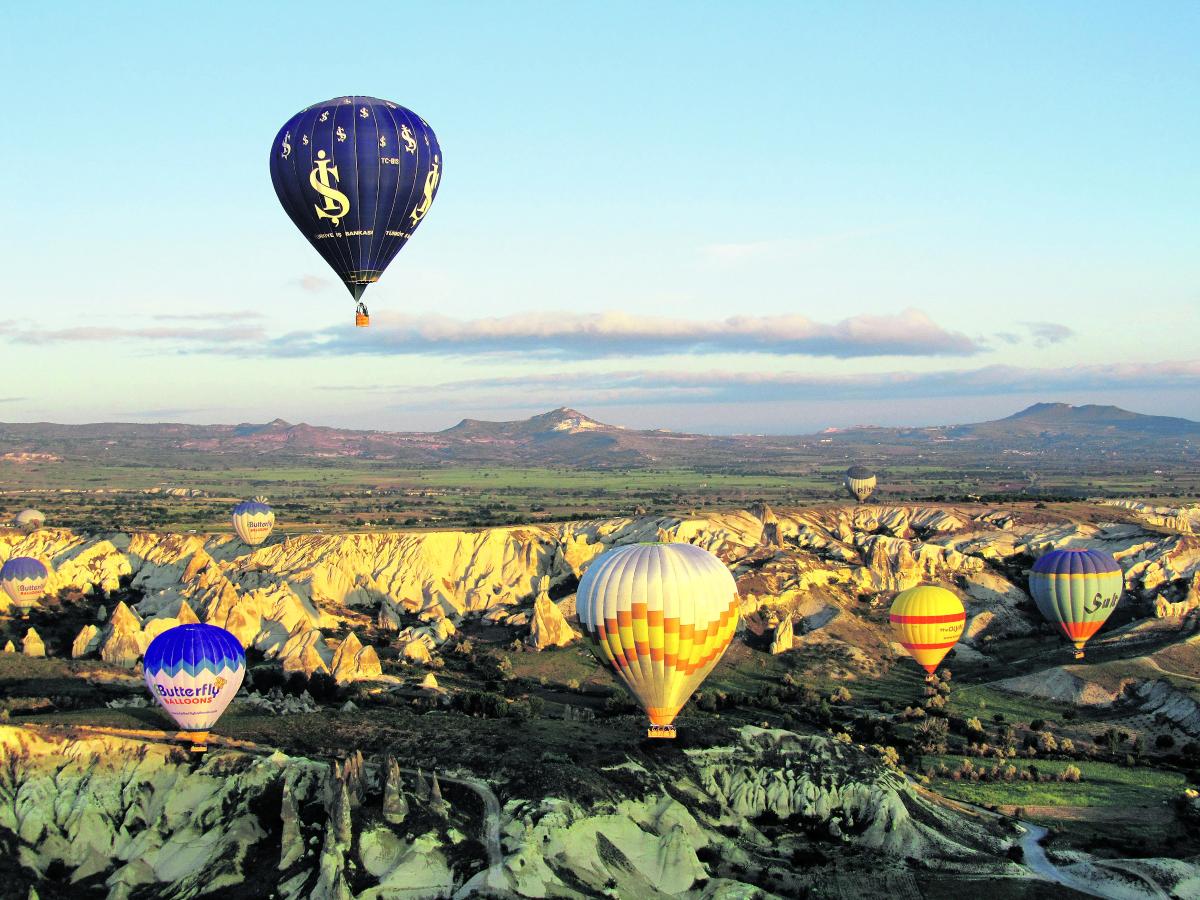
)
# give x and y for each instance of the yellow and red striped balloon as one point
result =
(661, 615)
(927, 621)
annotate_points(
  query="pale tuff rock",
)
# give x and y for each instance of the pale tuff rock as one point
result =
(416, 651)
(305, 651)
(125, 642)
(823, 555)
(437, 805)
(784, 638)
(395, 806)
(430, 683)
(87, 641)
(1161, 698)
(291, 842)
(277, 703)
(10, 647)
(31, 644)
(128, 812)
(549, 627)
(1063, 684)
(354, 662)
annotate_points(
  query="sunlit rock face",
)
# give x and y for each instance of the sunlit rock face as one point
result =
(656, 844)
(287, 597)
(144, 820)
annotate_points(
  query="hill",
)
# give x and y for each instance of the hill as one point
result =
(567, 438)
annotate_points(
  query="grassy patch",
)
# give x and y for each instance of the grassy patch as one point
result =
(1103, 784)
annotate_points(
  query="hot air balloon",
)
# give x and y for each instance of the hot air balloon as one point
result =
(29, 520)
(24, 580)
(357, 175)
(662, 616)
(1077, 590)
(193, 671)
(927, 621)
(253, 520)
(860, 482)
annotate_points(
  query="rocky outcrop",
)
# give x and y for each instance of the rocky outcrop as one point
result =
(548, 627)
(354, 662)
(305, 651)
(784, 638)
(87, 641)
(32, 645)
(124, 641)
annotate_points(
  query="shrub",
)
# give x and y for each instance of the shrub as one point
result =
(1037, 725)
(1164, 742)
(1046, 742)
(1070, 773)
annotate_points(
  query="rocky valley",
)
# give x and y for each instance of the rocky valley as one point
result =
(421, 719)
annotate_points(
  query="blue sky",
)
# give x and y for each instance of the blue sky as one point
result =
(771, 217)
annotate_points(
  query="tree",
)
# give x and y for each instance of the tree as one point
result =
(932, 735)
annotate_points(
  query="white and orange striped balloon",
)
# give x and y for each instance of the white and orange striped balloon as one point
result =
(661, 615)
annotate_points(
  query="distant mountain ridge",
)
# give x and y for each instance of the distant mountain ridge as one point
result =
(567, 437)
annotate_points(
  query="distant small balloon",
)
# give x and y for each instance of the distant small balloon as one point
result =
(253, 520)
(24, 581)
(860, 482)
(194, 671)
(927, 621)
(1077, 590)
(30, 520)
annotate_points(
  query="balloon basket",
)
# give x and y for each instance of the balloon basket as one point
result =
(661, 731)
(1079, 654)
(361, 320)
(197, 739)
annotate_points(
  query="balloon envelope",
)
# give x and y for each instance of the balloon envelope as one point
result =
(356, 175)
(253, 520)
(24, 580)
(661, 615)
(860, 482)
(1077, 590)
(927, 621)
(30, 519)
(193, 671)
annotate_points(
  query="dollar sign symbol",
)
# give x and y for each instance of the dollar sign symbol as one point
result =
(363, 112)
(410, 142)
(341, 133)
(322, 178)
(287, 146)
(431, 183)
(382, 141)
(325, 116)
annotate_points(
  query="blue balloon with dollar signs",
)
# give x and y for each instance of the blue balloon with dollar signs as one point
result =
(357, 175)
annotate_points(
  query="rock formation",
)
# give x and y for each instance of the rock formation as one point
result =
(124, 641)
(549, 627)
(87, 641)
(784, 638)
(395, 806)
(31, 644)
(354, 662)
